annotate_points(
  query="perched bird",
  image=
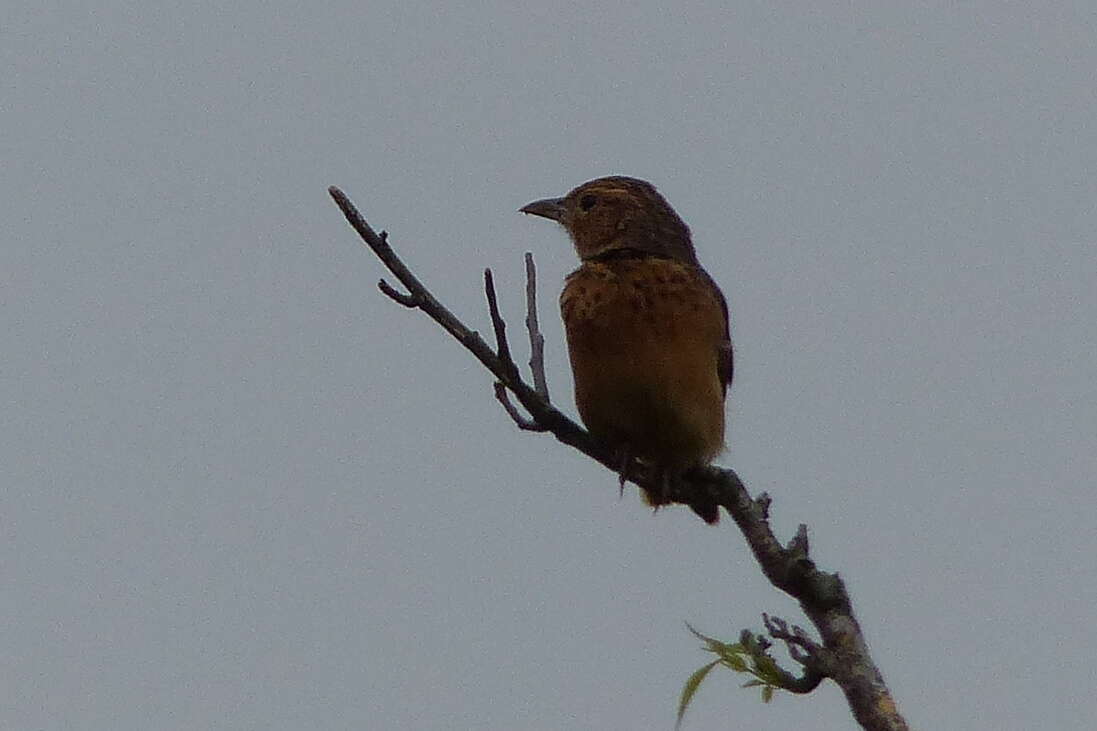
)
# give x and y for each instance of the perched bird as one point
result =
(647, 330)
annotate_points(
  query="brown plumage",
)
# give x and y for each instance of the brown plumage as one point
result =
(647, 329)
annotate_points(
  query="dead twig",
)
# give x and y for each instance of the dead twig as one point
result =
(502, 348)
(536, 340)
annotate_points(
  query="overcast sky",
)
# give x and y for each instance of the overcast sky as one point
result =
(242, 490)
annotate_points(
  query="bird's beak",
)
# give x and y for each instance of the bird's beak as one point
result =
(547, 207)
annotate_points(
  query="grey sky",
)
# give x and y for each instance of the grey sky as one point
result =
(241, 490)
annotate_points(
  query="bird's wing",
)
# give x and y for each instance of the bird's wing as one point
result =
(725, 359)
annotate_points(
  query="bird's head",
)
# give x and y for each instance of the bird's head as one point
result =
(607, 214)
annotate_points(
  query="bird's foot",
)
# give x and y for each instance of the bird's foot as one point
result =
(658, 494)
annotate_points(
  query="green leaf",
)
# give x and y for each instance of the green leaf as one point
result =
(736, 663)
(767, 694)
(751, 684)
(691, 686)
(767, 665)
(727, 650)
(713, 645)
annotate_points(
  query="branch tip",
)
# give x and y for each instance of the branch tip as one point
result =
(798, 545)
(761, 504)
(502, 347)
(410, 301)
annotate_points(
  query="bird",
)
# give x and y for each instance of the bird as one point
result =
(647, 332)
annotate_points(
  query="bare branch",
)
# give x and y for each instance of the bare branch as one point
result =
(536, 340)
(425, 300)
(502, 348)
(822, 596)
(563, 428)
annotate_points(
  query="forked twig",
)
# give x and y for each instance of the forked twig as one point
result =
(503, 397)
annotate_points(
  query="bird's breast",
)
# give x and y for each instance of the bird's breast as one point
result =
(645, 338)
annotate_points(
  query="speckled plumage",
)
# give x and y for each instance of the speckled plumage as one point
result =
(644, 340)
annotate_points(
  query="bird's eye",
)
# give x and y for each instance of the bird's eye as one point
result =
(587, 202)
